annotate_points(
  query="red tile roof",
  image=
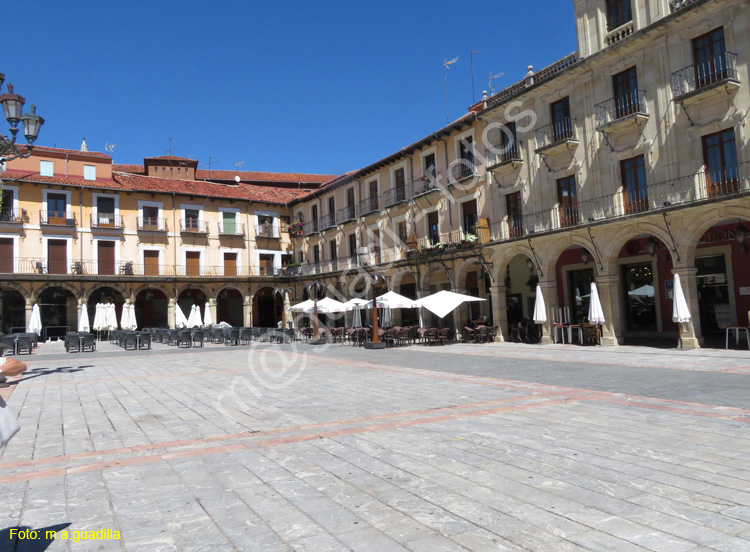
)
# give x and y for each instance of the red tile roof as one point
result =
(254, 176)
(137, 169)
(44, 149)
(170, 158)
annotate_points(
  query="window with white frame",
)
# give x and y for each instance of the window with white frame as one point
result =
(46, 168)
(89, 172)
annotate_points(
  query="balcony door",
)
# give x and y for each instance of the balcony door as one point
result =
(634, 187)
(106, 257)
(619, 12)
(567, 199)
(720, 160)
(399, 185)
(192, 220)
(433, 228)
(515, 214)
(56, 204)
(373, 196)
(333, 253)
(709, 58)
(150, 218)
(105, 212)
(315, 218)
(625, 87)
(151, 263)
(469, 216)
(230, 223)
(7, 214)
(6, 255)
(230, 264)
(561, 126)
(57, 256)
(192, 263)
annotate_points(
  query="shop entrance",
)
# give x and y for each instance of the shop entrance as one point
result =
(713, 294)
(640, 297)
(579, 290)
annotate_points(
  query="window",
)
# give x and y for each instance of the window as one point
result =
(567, 200)
(106, 257)
(619, 12)
(399, 185)
(192, 220)
(151, 262)
(316, 254)
(430, 167)
(562, 129)
(105, 212)
(192, 263)
(469, 216)
(332, 251)
(515, 214)
(230, 264)
(332, 206)
(465, 167)
(7, 214)
(709, 57)
(401, 230)
(89, 172)
(46, 168)
(352, 245)
(634, 189)
(315, 218)
(433, 228)
(373, 197)
(150, 218)
(229, 221)
(625, 87)
(56, 204)
(350, 197)
(720, 161)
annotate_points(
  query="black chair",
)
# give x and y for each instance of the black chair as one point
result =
(130, 341)
(173, 337)
(443, 336)
(88, 343)
(217, 335)
(145, 340)
(198, 336)
(9, 342)
(232, 337)
(246, 336)
(184, 339)
(72, 343)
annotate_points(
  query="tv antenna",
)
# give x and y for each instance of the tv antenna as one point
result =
(211, 162)
(109, 148)
(238, 164)
(473, 92)
(491, 78)
(447, 65)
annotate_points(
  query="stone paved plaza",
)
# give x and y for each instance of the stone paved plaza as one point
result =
(334, 448)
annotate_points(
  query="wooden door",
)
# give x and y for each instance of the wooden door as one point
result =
(230, 264)
(57, 257)
(192, 263)
(6, 255)
(106, 256)
(151, 263)
(56, 209)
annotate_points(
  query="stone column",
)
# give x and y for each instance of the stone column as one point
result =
(247, 310)
(549, 292)
(499, 312)
(212, 309)
(691, 331)
(29, 306)
(171, 318)
(609, 295)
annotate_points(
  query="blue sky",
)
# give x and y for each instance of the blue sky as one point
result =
(319, 87)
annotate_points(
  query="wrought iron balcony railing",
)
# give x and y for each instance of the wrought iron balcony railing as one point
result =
(706, 74)
(369, 205)
(394, 196)
(193, 226)
(500, 155)
(152, 224)
(462, 170)
(231, 229)
(346, 214)
(13, 216)
(426, 184)
(107, 220)
(57, 218)
(328, 221)
(620, 107)
(267, 231)
(556, 133)
(310, 228)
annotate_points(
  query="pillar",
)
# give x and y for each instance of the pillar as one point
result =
(212, 309)
(691, 331)
(28, 307)
(171, 317)
(499, 312)
(610, 297)
(247, 310)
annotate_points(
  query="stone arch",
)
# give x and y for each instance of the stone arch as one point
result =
(470, 264)
(695, 230)
(500, 264)
(612, 251)
(237, 287)
(552, 254)
(427, 277)
(167, 292)
(398, 276)
(19, 288)
(65, 285)
(197, 286)
(113, 285)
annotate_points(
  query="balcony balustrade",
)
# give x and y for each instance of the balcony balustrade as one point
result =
(426, 184)
(346, 214)
(369, 205)
(462, 170)
(559, 133)
(267, 231)
(720, 70)
(394, 196)
(193, 226)
(57, 218)
(328, 221)
(107, 220)
(152, 224)
(12, 216)
(310, 228)
(231, 229)
(501, 155)
(631, 105)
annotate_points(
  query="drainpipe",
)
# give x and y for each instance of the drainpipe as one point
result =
(450, 207)
(174, 244)
(66, 165)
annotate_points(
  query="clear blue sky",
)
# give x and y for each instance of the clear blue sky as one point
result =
(283, 86)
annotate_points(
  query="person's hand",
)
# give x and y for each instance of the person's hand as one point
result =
(12, 367)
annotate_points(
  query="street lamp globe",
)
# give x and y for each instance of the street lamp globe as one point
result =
(13, 110)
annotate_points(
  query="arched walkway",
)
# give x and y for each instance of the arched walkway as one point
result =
(152, 308)
(106, 294)
(13, 310)
(58, 307)
(189, 296)
(266, 307)
(229, 307)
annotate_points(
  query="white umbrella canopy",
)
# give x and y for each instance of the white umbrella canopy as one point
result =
(193, 317)
(393, 300)
(35, 324)
(180, 320)
(207, 319)
(133, 321)
(111, 317)
(596, 314)
(97, 318)
(540, 309)
(444, 302)
(352, 304)
(325, 305)
(680, 311)
(83, 319)
(302, 307)
(125, 317)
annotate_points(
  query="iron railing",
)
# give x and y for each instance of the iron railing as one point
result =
(152, 224)
(369, 205)
(231, 229)
(57, 218)
(312, 227)
(426, 184)
(346, 214)
(462, 170)
(328, 221)
(193, 226)
(619, 107)
(394, 196)
(718, 69)
(107, 220)
(503, 154)
(14, 216)
(267, 231)
(558, 132)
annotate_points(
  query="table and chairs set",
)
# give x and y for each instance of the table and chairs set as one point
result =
(19, 343)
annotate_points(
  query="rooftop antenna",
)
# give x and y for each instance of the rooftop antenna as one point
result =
(238, 164)
(473, 92)
(169, 151)
(109, 148)
(491, 78)
(446, 65)
(210, 162)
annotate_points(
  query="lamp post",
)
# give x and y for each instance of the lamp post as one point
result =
(282, 291)
(376, 279)
(315, 288)
(12, 106)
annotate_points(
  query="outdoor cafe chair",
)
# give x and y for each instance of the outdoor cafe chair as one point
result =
(232, 337)
(145, 340)
(184, 339)
(198, 336)
(173, 337)
(471, 334)
(217, 335)
(246, 335)
(130, 341)
(403, 336)
(443, 336)
(88, 342)
(23, 343)
(72, 343)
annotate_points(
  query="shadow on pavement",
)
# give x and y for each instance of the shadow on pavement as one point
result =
(29, 540)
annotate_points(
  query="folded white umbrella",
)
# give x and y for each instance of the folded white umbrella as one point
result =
(133, 321)
(180, 320)
(393, 300)
(83, 319)
(35, 324)
(680, 311)
(198, 317)
(125, 317)
(96, 326)
(596, 314)
(207, 319)
(192, 322)
(444, 302)
(540, 309)
(112, 317)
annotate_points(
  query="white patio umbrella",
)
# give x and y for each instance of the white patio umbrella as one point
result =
(125, 317)
(35, 324)
(83, 319)
(132, 319)
(444, 302)
(180, 320)
(111, 317)
(596, 314)
(97, 325)
(325, 306)
(352, 304)
(540, 309)
(393, 300)
(680, 312)
(192, 321)
(302, 307)
(207, 319)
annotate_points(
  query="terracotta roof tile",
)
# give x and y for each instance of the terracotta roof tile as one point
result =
(72, 152)
(170, 158)
(137, 169)
(257, 176)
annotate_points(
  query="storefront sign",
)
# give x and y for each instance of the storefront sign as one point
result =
(745, 291)
(718, 236)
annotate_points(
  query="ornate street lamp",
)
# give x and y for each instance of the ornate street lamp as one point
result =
(741, 234)
(376, 279)
(12, 105)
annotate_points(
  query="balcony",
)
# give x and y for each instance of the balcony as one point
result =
(107, 220)
(504, 155)
(152, 224)
(621, 112)
(231, 229)
(12, 216)
(426, 184)
(57, 218)
(310, 228)
(463, 169)
(709, 78)
(347, 214)
(328, 221)
(369, 205)
(394, 196)
(267, 231)
(675, 5)
(560, 135)
(619, 30)
(193, 226)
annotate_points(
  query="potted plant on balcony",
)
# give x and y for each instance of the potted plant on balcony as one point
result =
(292, 269)
(469, 240)
(296, 227)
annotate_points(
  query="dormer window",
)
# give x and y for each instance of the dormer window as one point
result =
(619, 12)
